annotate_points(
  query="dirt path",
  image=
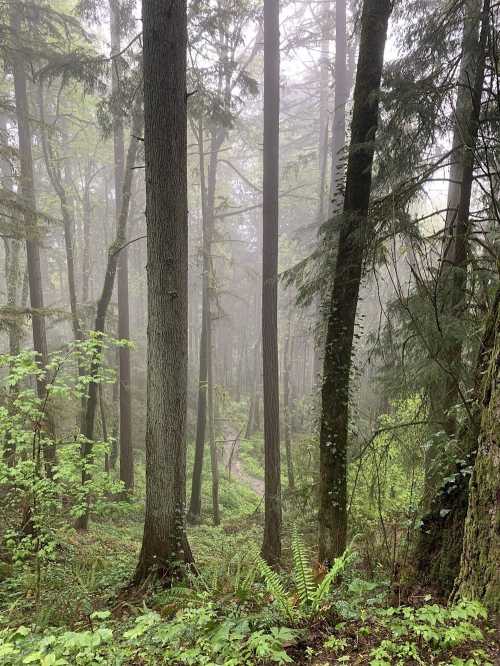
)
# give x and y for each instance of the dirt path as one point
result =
(231, 458)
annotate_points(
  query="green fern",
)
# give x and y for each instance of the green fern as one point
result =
(323, 589)
(275, 586)
(302, 573)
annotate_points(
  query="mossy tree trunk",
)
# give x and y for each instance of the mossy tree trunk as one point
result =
(479, 576)
(355, 232)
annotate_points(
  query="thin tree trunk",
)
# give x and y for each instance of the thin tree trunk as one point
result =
(454, 263)
(324, 65)
(27, 195)
(87, 214)
(286, 406)
(12, 250)
(107, 291)
(207, 205)
(55, 177)
(214, 463)
(353, 239)
(165, 544)
(339, 123)
(194, 513)
(271, 547)
(126, 445)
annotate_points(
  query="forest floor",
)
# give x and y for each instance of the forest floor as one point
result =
(84, 605)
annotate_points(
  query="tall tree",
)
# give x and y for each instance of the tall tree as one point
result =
(28, 200)
(271, 547)
(164, 543)
(455, 250)
(126, 451)
(354, 235)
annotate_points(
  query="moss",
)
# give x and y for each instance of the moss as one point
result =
(480, 567)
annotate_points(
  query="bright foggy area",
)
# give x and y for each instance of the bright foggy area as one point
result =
(250, 332)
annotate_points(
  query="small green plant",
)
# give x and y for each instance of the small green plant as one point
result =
(430, 627)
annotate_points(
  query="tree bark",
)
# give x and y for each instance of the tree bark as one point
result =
(164, 544)
(479, 576)
(271, 547)
(355, 231)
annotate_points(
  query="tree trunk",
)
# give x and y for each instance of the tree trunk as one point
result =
(107, 291)
(341, 95)
(453, 268)
(27, 195)
(324, 67)
(164, 545)
(438, 550)
(271, 547)
(56, 179)
(207, 207)
(12, 250)
(479, 576)
(87, 214)
(353, 240)
(286, 406)
(214, 463)
(126, 448)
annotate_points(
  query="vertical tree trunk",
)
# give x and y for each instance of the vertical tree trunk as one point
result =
(341, 95)
(438, 550)
(87, 214)
(324, 67)
(56, 179)
(12, 251)
(204, 385)
(107, 292)
(126, 447)
(27, 195)
(271, 547)
(214, 463)
(445, 394)
(164, 543)
(479, 576)
(286, 406)
(353, 239)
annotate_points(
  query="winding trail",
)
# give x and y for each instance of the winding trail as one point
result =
(232, 462)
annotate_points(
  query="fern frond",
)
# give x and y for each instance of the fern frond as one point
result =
(302, 573)
(274, 586)
(323, 589)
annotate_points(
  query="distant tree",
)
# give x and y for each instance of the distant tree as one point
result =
(28, 202)
(164, 545)
(126, 451)
(354, 235)
(107, 292)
